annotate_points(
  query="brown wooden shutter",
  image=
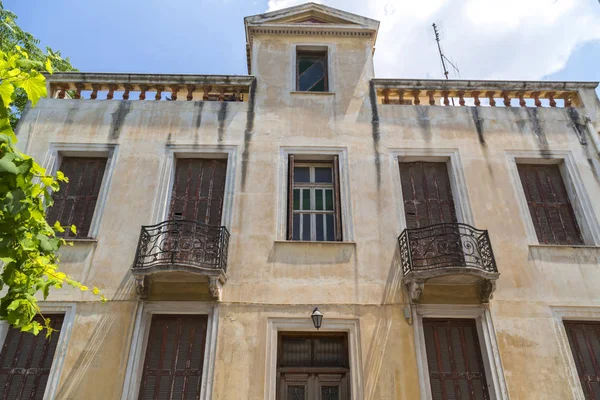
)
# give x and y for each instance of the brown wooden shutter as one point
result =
(290, 214)
(75, 202)
(25, 362)
(338, 202)
(549, 204)
(174, 357)
(198, 190)
(456, 369)
(427, 194)
(584, 339)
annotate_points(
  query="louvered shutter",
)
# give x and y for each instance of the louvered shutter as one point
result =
(290, 212)
(198, 190)
(427, 194)
(549, 204)
(25, 361)
(454, 359)
(75, 202)
(584, 339)
(174, 357)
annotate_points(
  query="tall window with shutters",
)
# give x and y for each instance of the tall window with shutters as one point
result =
(549, 205)
(427, 194)
(454, 359)
(584, 340)
(25, 361)
(75, 202)
(174, 357)
(314, 207)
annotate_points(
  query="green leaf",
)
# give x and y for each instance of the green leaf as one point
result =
(57, 227)
(47, 180)
(8, 166)
(34, 86)
(48, 66)
(73, 229)
(6, 93)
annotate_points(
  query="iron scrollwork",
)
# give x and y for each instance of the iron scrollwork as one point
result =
(187, 244)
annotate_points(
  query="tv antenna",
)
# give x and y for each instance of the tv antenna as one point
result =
(442, 56)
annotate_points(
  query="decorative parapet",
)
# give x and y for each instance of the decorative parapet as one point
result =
(95, 86)
(480, 93)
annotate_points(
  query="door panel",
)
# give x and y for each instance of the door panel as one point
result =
(198, 190)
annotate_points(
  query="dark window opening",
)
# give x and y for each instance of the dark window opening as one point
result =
(311, 71)
(25, 361)
(584, 340)
(314, 208)
(549, 204)
(75, 202)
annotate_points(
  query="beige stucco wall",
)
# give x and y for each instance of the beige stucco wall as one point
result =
(361, 279)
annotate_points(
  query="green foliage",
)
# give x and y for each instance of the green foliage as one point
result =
(28, 244)
(11, 36)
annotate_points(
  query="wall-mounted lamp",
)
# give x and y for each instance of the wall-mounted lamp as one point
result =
(317, 317)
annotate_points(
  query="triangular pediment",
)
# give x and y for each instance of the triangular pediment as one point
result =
(311, 14)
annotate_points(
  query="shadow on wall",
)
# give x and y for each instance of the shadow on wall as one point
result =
(90, 351)
(377, 351)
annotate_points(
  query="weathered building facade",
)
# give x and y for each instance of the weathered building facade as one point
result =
(447, 230)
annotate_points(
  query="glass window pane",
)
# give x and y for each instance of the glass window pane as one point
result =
(296, 199)
(318, 199)
(306, 199)
(330, 227)
(311, 74)
(296, 227)
(323, 175)
(329, 199)
(319, 227)
(305, 226)
(301, 174)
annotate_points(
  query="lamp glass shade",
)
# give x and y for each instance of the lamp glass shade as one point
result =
(317, 318)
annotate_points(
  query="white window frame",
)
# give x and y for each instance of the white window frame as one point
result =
(68, 310)
(283, 184)
(57, 151)
(160, 208)
(350, 326)
(561, 314)
(137, 351)
(578, 197)
(451, 157)
(487, 340)
(312, 46)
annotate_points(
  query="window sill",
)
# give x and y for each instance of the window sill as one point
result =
(563, 246)
(295, 92)
(308, 242)
(82, 240)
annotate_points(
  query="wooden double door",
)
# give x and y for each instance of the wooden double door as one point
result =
(313, 367)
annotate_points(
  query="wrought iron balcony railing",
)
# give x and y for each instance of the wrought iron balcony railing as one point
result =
(180, 245)
(447, 249)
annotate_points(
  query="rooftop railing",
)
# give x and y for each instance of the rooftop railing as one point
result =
(479, 93)
(95, 86)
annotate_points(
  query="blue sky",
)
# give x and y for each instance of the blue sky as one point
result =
(562, 42)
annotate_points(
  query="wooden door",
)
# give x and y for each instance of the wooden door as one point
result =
(584, 339)
(174, 358)
(428, 202)
(197, 201)
(313, 367)
(456, 369)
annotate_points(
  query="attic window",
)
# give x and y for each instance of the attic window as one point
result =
(311, 70)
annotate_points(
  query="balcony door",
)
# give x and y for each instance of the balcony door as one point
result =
(196, 209)
(198, 190)
(428, 202)
(313, 367)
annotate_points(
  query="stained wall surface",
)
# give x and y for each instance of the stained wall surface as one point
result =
(359, 278)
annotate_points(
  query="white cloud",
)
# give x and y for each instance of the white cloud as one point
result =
(487, 39)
